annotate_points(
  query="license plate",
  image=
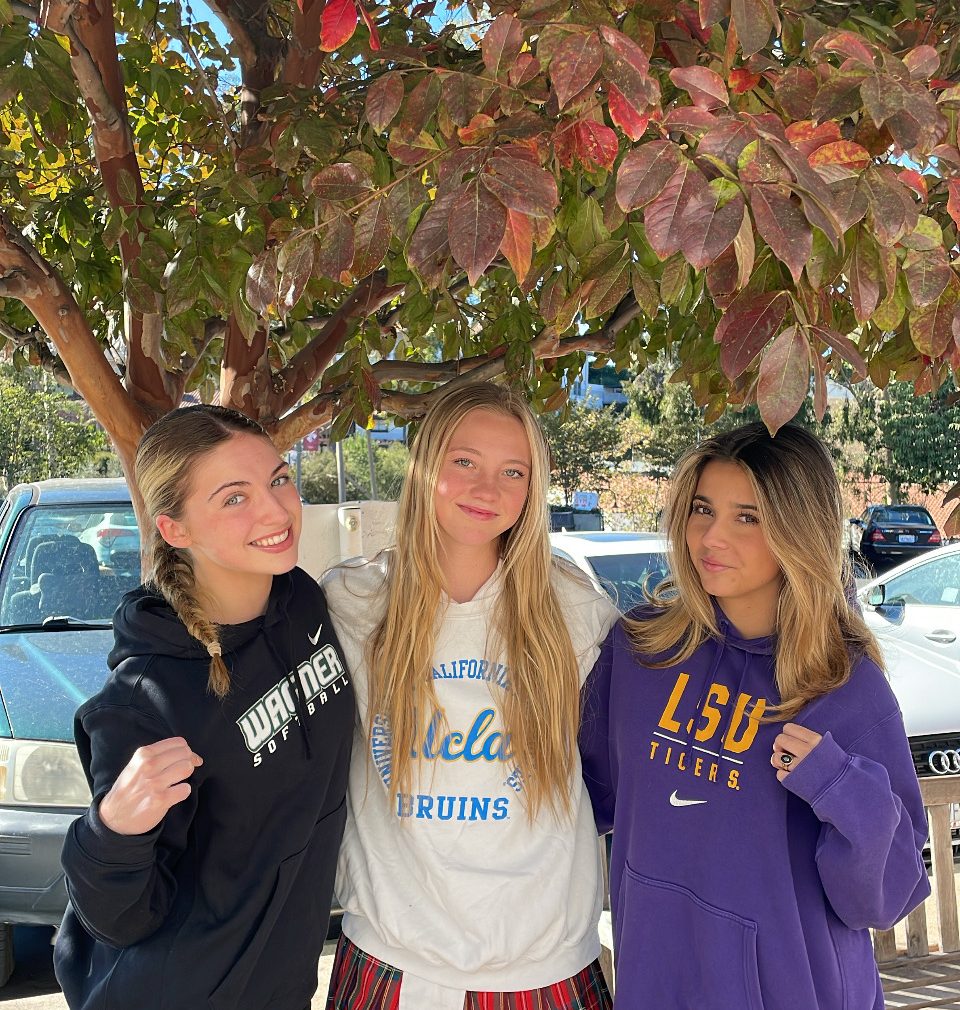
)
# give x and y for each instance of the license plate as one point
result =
(907, 538)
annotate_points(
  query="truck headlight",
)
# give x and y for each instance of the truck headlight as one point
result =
(41, 774)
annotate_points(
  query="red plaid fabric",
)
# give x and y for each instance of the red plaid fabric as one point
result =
(361, 982)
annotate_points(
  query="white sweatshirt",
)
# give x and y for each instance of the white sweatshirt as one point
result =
(452, 883)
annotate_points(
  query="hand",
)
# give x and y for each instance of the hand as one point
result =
(797, 741)
(153, 781)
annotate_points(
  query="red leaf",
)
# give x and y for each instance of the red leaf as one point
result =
(478, 222)
(710, 224)
(784, 378)
(372, 238)
(863, 270)
(517, 244)
(411, 150)
(663, 220)
(628, 50)
(727, 141)
(713, 12)
(931, 328)
(705, 86)
(337, 24)
(913, 179)
(928, 272)
(626, 116)
(806, 136)
(848, 44)
(295, 261)
(596, 144)
(844, 346)
(479, 129)
(742, 80)
(841, 152)
(893, 210)
(383, 101)
(520, 186)
(782, 225)
(371, 27)
(644, 172)
(689, 119)
(746, 326)
(754, 21)
(340, 183)
(334, 251)
(261, 290)
(502, 44)
(565, 144)
(575, 64)
(953, 200)
(430, 246)
(922, 62)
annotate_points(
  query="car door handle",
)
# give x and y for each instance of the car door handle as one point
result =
(944, 637)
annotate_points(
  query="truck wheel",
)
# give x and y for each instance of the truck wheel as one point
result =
(6, 952)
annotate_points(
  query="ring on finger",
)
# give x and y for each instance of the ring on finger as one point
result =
(786, 759)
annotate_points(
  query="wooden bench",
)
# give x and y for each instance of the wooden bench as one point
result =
(917, 976)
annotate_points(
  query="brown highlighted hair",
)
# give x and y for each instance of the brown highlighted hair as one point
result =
(166, 458)
(819, 634)
(541, 709)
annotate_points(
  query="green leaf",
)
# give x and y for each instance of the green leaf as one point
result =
(931, 327)
(673, 280)
(587, 229)
(863, 271)
(927, 272)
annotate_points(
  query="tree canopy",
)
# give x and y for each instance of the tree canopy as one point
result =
(328, 207)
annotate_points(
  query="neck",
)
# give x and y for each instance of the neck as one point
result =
(237, 600)
(466, 569)
(751, 618)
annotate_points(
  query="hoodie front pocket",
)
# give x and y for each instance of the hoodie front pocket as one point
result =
(677, 952)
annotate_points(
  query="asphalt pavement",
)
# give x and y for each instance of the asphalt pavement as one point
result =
(33, 986)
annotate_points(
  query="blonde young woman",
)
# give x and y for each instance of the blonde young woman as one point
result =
(217, 750)
(469, 869)
(740, 738)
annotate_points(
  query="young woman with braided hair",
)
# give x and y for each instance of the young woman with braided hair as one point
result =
(217, 751)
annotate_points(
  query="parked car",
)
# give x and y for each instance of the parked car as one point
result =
(621, 564)
(914, 610)
(885, 535)
(115, 540)
(56, 604)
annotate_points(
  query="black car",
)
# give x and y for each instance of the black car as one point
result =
(886, 535)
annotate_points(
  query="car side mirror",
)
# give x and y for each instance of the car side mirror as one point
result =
(877, 595)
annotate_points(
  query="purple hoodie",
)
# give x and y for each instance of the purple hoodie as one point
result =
(730, 890)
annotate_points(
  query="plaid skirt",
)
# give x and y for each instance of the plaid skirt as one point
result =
(361, 982)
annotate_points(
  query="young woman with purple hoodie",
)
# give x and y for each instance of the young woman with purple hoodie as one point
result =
(740, 738)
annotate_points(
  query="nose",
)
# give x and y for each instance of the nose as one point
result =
(713, 537)
(274, 511)
(484, 486)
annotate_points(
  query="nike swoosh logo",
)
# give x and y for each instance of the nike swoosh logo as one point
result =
(675, 801)
(315, 638)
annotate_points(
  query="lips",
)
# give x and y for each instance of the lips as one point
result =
(709, 565)
(477, 513)
(274, 540)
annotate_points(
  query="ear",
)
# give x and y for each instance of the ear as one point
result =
(173, 532)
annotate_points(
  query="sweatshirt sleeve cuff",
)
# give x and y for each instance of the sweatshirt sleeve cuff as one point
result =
(818, 771)
(108, 846)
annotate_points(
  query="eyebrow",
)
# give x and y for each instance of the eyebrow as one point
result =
(476, 452)
(246, 483)
(739, 505)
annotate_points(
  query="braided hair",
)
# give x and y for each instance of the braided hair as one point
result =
(166, 457)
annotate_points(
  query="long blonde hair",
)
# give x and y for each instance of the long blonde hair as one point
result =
(541, 707)
(166, 458)
(819, 634)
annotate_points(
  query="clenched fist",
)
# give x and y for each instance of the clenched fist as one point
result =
(791, 746)
(153, 781)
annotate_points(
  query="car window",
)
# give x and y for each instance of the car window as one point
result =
(69, 561)
(936, 583)
(626, 576)
(918, 517)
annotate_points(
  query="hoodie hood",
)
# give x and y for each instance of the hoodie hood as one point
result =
(146, 625)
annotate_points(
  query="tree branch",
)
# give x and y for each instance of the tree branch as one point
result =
(306, 418)
(306, 366)
(43, 292)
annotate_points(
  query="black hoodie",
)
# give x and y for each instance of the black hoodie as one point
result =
(225, 904)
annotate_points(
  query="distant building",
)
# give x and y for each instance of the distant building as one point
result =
(600, 387)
